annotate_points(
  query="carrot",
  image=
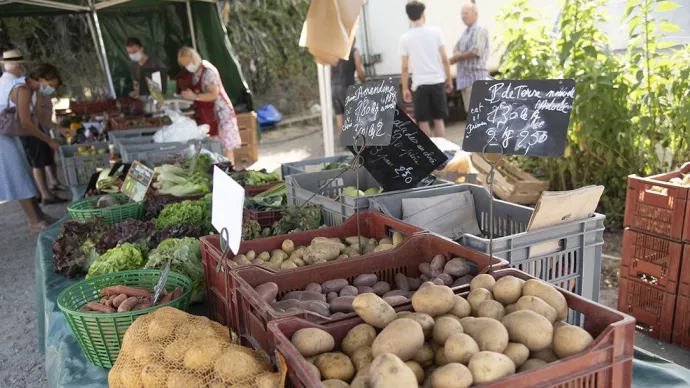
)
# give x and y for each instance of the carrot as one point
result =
(128, 304)
(177, 293)
(118, 300)
(166, 298)
(97, 307)
(127, 290)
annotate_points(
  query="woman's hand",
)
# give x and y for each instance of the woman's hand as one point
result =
(54, 144)
(189, 95)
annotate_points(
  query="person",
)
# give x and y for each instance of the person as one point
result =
(143, 66)
(41, 157)
(342, 76)
(470, 54)
(15, 173)
(424, 54)
(200, 82)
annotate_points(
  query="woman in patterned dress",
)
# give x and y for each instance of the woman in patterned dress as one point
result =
(201, 83)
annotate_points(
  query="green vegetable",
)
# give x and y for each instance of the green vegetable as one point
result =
(335, 166)
(297, 219)
(254, 178)
(272, 199)
(184, 255)
(251, 230)
(187, 212)
(123, 257)
(203, 164)
(177, 181)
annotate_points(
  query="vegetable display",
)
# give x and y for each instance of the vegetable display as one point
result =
(119, 299)
(123, 257)
(254, 178)
(503, 327)
(177, 181)
(294, 219)
(75, 247)
(187, 212)
(272, 199)
(175, 231)
(184, 255)
(128, 231)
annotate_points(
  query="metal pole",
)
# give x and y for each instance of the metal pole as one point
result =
(95, 41)
(106, 66)
(324, 73)
(191, 22)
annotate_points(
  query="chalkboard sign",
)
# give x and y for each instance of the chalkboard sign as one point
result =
(369, 110)
(407, 161)
(524, 117)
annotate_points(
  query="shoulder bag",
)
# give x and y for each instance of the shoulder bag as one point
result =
(9, 119)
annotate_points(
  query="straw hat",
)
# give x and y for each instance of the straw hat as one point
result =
(12, 56)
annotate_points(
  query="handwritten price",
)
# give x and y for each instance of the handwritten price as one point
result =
(405, 173)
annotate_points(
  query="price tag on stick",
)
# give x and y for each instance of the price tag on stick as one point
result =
(195, 159)
(409, 159)
(524, 117)
(369, 111)
(137, 181)
(160, 286)
(227, 207)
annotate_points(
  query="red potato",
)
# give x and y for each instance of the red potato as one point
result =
(304, 295)
(118, 300)
(128, 304)
(342, 304)
(100, 308)
(267, 291)
(129, 291)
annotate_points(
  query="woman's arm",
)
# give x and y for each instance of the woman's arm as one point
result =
(22, 98)
(211, 94)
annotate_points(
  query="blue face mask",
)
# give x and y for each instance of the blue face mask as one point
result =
(47, 90)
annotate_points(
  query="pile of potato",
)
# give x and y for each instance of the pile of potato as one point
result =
(502, 327)
(335, 297)
(320, 250)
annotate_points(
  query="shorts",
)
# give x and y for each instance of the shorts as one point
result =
(338, 94)
(430, 102)
(38, 152)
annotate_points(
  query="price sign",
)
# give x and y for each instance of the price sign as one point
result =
(369, 110)
(407, 161)
(137, 181)
(525, 117)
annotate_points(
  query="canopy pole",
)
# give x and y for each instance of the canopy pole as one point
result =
(191, 22)
(95, 41)
(101, 46)
(324, 73)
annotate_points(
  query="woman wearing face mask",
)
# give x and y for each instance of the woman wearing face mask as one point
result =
(15, 172)
(201, 83)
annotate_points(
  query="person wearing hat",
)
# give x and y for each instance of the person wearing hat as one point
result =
(41, 157)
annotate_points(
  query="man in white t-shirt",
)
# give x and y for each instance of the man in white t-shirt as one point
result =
(424, 55)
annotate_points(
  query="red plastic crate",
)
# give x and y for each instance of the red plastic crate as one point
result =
(652, 308)
(94, 107)
(373, 225)
(664, 214)
(252, 190)
(607, 362)
(684, 281)
(265, 218)
(254, 313)
(681, 324)
(652, 257)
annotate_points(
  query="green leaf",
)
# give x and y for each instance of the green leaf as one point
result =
(629, 8)
(634, 23)
(665, 6)
(665, 45)
(669, 27)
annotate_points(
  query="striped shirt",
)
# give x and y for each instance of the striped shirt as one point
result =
(475, 39)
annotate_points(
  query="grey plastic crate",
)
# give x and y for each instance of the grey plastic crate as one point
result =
(312, 165)
(164, 152)
(336, 208)
(131, 136)
(78, 169)
(566, 255)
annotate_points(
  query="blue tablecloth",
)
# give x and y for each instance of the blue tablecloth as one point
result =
(66, 365)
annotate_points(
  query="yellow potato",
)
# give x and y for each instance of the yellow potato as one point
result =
(507, 290)
(537, 305)
(202, 354)
(518, 353)
(288, 246)
(362, 357)
(485, 281)
(359, 336)
(476, 297)
(461, 307)
(511, 308)
(335, 366)
(184, 379)
(397, 238)
(312, 341)
(488, 333)
(388, 371)
(334, 383)
(154, 375)
(130, 376)
(424, 320)
(235, 365)
(425, 355)
(440, 358)
(490, 366)
(452, 375)
(160, 329)
(176, 350)
(460, 347)
(444, 328)
(402, 337)
(532, 364)
(417, 369)
(548, 294)
(265, 256)
(491, 309)
(547, 355)
(144, 353)
(374, 310)
(433, 300)
(569, 340)
(530, 329)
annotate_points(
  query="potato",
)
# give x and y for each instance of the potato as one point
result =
(331, 296)
(426, 284)
(385, 240)
(321, 251)
(461, 307)
(401, 282)
(395, 299)
(414, 283)
(285, 304)
(334, 383)
(349, 291)
(325, 240)
(352, 240)
(160, 329)
(288, 246)
(341, 257)
(397, 238)
(175, 351)
(460, 347)
(558, 324)
(425, 269)
(381, 288)
(511, 308)
(280, 252)
(417, 370)
(285, 265)
(548, 294)
(518, 353)
(569, 340)
(444, 327)
(298, 262)
(529, 328)
(277, 260)
(491, 309)
(144, 353)
(537, 305)
(490, 366)
(440, 358)
(342, 304)
(251, 255)
(239, 365)
(368, 248)
(433, 300)
(424, 320)
(476, 297)
(202, 355)
(457, 267)
(383, 247)
(257, 262)
(265, 256)
(130, 376)
(360, 382)
(388, 370)
(338, 315)
(489, 333)
(507, 290)
(351, 251)
(335, 366)
(374, 310)
(184, 379)
(314, 287)
(402, 337)
(436, 266)
(461, 281)
(362, 357)
(483, 281)
(373, 241)
(424, 356)
(315, 306)
(532, 364)
(406, 294)
(240, 258)
(333, 285)
(153, 375)
(304, 295)
(311, 368)
(364, 290)
(312, 341)
(298, 253)
(452, 375)
(368, 279)
(449, 315)
(445, 278)
(547, 355)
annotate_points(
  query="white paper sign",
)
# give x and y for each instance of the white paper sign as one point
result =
(156, 77)
(226, 207)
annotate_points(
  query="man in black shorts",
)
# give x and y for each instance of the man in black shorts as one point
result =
(342, 76)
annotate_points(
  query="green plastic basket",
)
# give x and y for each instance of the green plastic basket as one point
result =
(84, 209)
(100, 334)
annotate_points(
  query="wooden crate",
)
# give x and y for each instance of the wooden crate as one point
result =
(249, 152)
(510, 182)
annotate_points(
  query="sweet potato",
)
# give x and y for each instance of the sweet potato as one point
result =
(368, 280)
(177, 293)
(446, 279)
(414, 283)
(380, 288)
(331, 296)
(401, 281)
(127, 290)
(100, 308)
(342, 304)
(119, 299)
(163, 299)
(364, 290)
(128, 304)
(349, 291)
(305, 295)
(406, 294)
(313, 287)
(333, 285)
(425, 269)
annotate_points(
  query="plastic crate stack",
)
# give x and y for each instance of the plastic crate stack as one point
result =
(654, 279)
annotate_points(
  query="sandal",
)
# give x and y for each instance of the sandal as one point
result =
(39, 226)
(53, 201)
(58, 187)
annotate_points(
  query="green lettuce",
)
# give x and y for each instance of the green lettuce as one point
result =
(121, 258)
(184, 255)
(187, 212)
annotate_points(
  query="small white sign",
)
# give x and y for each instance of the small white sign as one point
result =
(227, 207)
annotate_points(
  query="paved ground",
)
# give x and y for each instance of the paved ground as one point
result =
(22, 365)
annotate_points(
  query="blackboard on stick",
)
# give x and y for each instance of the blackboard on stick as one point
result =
(407, 161)
(369, 110)
(528, 117)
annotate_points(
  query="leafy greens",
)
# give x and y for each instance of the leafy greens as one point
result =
(184, 255)
(121, 258)
(75, 247)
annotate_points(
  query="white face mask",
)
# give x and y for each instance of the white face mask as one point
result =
(192, 67)
(136, 57)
